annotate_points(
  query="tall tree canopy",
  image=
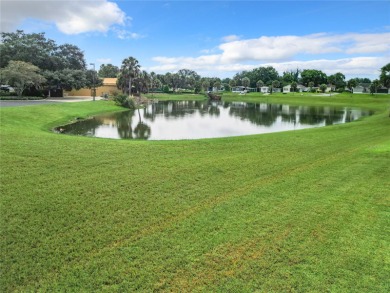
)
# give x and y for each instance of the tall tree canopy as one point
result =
(385, 75)
(337, 79)
(266, 74)
(312, 75)
(291, 76)
(108, 70)
(36, 49)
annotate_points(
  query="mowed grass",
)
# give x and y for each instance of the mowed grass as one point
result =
(295, 211)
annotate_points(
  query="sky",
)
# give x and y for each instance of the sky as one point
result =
(215, 38)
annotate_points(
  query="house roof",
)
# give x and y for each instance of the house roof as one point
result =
(109, 81)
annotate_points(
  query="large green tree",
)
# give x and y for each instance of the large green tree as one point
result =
(63, 66)
(338, 80)
(36, 49)
(266, 74)
(66, 79)
(21, 75)
(290, 76)
(188, 78)
(312, 75)
(352, 83)
(108, 70)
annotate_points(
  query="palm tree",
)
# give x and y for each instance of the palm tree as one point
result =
(294, 86)
(351, 84)
(246, 81)
(275, 84)
(206, 84)
(374, 86)
(232, 83)
(259, 84)
(130, 69)
(217, 85)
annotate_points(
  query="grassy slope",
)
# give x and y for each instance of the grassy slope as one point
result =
(293, 211)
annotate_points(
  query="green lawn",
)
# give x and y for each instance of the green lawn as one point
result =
(294, 211)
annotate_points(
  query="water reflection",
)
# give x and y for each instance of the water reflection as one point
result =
(206, 119)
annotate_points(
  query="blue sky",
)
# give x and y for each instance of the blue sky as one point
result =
(216, 38)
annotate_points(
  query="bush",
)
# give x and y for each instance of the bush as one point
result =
(166, 89)
(124, 101)
(7, 94)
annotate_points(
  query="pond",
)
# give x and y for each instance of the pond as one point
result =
(172, 120)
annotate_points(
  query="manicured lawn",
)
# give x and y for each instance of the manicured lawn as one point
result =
(294, 211)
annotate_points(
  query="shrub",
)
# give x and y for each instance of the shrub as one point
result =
(124, 101)
(7, 94)
(166, 89)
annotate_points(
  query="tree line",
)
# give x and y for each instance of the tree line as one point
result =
(31, 62)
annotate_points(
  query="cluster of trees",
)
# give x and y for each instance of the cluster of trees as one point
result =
(311, 78)
(130, 76)
(31, 61)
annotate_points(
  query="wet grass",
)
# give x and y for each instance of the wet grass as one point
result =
(303, 210)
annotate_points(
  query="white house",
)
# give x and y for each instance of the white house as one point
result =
(300, 88)
(287, 88)
(361, 88)
(264, 89)
(240, 89)
(276, 90)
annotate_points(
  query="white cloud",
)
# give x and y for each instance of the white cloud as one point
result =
(104, 60)
(70, 17)
(230, 38)
(280, 48)
(125, 34)
(349, 66)
(349, 53)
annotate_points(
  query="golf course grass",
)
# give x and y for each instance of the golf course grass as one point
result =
(293, 211)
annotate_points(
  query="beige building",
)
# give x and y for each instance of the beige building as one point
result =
(108, 87)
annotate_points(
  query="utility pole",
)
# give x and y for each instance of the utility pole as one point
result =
(93, 82)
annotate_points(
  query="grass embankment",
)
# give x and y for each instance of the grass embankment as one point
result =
(295, 211)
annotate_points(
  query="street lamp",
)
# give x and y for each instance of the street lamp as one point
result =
(93, 81)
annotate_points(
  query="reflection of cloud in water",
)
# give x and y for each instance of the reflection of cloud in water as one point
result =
(107, 131)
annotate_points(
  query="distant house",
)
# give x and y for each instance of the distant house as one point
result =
(287, 88)
(215, 89)
(264, 89)
(362, 88)
(276, 90)
(300, 88)
(383, 90)
(108, 87)
(239, 89)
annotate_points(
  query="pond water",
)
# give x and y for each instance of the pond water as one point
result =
(171, 120)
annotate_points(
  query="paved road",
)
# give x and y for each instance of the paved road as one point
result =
(17, 103)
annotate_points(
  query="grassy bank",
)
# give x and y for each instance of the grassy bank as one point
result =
(303, 210)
